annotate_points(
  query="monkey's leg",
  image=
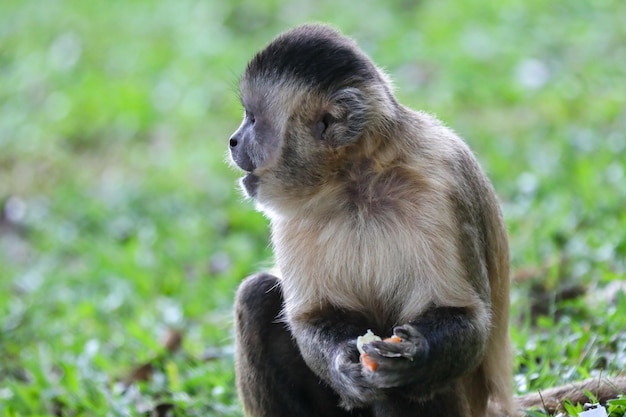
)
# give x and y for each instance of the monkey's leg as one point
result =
(443, 404)
(272, 378)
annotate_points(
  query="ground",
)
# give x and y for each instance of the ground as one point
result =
(123, 236)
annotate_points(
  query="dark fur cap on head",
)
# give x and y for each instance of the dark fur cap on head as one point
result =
(315, 55)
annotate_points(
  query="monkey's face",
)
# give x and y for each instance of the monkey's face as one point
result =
(255, 147)
(292, 137)
(308, 98)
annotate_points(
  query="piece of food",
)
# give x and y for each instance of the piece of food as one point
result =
(365, 339)
(368, 363)
(393, 339)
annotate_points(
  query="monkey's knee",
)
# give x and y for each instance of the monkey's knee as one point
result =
(257, 304)
(258, 293)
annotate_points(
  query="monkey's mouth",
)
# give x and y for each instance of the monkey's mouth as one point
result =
(250, 184)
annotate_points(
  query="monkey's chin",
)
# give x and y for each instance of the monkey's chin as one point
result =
(250, 184)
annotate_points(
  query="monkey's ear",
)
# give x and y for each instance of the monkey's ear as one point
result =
(345, 118)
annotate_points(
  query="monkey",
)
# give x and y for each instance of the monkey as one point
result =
(381, 219)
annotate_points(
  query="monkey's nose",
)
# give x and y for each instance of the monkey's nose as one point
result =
(233, 142)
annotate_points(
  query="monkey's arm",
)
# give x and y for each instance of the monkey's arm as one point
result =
(437, 347)
(327, 342)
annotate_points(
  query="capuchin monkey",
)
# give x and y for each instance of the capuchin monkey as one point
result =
(381, 220)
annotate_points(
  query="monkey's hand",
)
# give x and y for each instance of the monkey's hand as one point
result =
(349, 379)
(397, 363)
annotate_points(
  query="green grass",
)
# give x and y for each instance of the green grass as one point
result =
(121, 219)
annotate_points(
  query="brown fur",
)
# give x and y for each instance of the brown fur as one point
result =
(386, 265)
(393, 217)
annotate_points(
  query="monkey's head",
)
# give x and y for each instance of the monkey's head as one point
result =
(310, 98)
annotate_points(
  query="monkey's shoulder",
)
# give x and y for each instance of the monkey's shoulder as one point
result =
(385, 192)
(424, 175)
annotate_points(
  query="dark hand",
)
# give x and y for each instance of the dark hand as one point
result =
(349, 379)
(398, 363)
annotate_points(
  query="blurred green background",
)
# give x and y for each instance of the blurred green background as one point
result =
(122, 232)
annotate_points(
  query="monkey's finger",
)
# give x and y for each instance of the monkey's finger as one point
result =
(407, 332)
(391, 350)
(391, 372)
(351, 375)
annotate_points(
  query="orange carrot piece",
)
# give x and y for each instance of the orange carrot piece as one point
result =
(392, 339)
(368, 363)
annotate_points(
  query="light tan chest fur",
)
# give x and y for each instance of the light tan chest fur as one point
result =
(392, 264)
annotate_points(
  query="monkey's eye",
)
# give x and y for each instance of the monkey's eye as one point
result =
(250, 117)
